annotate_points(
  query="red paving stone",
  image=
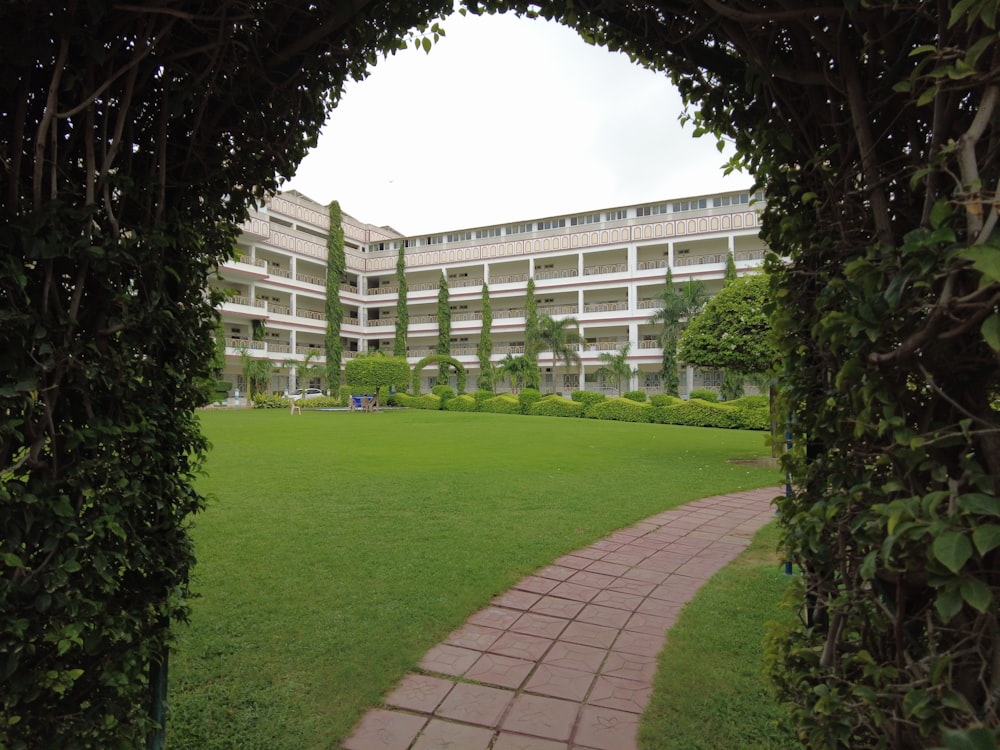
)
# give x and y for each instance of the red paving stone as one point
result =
(565, 660)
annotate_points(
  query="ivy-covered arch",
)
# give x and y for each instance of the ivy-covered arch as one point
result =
(439, 359)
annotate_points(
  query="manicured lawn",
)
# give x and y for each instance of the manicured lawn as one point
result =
(338, 547)
(709, 690)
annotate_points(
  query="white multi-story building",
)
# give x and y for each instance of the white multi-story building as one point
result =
(604, 268)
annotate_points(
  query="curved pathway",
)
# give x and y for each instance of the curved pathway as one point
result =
(565, 659)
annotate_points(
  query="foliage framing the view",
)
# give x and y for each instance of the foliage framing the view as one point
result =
(133, 140)
(871, 128)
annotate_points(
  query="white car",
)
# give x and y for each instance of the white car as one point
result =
(305, 395)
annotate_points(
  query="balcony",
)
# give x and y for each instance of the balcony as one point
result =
(510, 278)
(700, 260)
(605, 268)
(599, 307)
(563, 273)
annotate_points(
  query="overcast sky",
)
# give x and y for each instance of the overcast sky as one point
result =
(506, 119)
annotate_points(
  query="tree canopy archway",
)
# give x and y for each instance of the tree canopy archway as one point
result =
(443, 360)
(135, 136)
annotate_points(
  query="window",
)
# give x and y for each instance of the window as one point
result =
(491, 232)
(436, 240)
(519, 228)
(551, 224)
(620, 213)
(459, 236)
(585, 219)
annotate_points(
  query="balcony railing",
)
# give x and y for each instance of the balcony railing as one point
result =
(509, 349)
(510, 278)
(456, 283)
(349, 288)
(605, 268)
(247, 302)
(310, 314)
(751, 254)
(310, 279)
(651, 265)
(278, 308)
(467, 316)
(559, 273)
(559, 310)
(649, 304)
(595, 307)
(700, 260)
(384, 290)
(280, 272)
(382, 322)
(504, 314)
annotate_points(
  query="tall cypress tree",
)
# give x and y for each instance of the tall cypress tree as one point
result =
(402, 312)
(336, 266)
(532, 342)
(732, 380)
(444, 328)
(485, 348)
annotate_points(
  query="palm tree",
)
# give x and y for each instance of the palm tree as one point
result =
(616, 368)
(562, 338)
(517, 370)
(676, 305)
(306, 370)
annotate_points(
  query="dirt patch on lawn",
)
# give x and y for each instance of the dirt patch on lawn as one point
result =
(767, 462)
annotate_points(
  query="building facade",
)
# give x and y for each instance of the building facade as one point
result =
(604, 268)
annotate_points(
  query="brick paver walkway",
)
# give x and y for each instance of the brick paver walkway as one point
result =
(565, 660)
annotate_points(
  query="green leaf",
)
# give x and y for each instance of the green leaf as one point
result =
(985, 259)
(986, 538)
(980, 503)
(991, 331)
(948, 603)
(426, 44)
(12, 560)
(976, 593)
(952, 549)
(979, 738)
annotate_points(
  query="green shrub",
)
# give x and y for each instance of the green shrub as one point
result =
(460, 403)
(755, 401)
(527, 397)
(443, 392)
(482, 396)
(619, 409)
(556, 406)
(323, 402)
(662, 399)
(639, 396)
(587, 397)
(698, 413)
(505, 403)
(427, 401)
(705, 395)
(270, 401)
(752, 414)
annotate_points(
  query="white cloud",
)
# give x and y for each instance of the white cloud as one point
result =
(506, 119)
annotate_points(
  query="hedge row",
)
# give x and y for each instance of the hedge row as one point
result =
(747, 413)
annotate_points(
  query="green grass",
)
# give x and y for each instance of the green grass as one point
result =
(709, 691)
(339, 547)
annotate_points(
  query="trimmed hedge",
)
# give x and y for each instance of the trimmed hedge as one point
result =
(733, 415)
(424, 401)
(710, 396)
(527, 397)
(556, 406)
(638, 396)
(460, 403)
(662, 399)
(505, 403)
(619, 409)
(269, 401)
(481, 396)
(587, 397)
